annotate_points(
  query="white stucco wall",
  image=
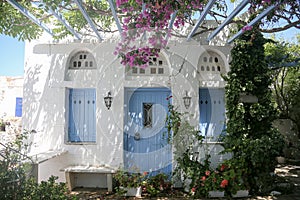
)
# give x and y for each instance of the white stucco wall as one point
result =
(47, 80)
(10, 89)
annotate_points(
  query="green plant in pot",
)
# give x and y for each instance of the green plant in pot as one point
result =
(126, 181)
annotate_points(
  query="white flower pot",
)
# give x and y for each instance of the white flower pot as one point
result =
(280, 159)
(241, 193)
(133, 192)
(216, 194)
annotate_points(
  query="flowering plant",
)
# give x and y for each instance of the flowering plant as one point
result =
(210, 180)
(129, 180)
(156, 185)
(237, 174)
(148, 23)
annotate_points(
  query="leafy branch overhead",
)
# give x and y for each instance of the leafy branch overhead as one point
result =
(13, 23)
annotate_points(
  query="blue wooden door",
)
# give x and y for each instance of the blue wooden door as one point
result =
(18, 111)
(82, 115)
(146, 147)
(212, 112)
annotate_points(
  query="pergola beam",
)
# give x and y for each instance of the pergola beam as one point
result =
(114, 13)
(65, 23)
(25, 12)
(254, 21)
(173, 16)
(201, 18)
(88, 19)
(228, 19)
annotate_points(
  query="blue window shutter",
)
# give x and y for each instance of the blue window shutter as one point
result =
(89, 115)
(82, 117)
(212, 111)
(205, 110)
(18, 111)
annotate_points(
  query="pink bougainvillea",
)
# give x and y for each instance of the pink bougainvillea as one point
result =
(146, 26)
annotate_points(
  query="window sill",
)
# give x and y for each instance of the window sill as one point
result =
(80, 143)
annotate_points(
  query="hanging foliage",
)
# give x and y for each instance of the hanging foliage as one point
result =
(250, 135)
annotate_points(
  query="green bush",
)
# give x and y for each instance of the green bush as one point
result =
(16, 182)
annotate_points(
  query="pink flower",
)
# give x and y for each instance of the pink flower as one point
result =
(224, 183)
(193, 189)
(169, 97)
(207, 173)
(223, 167)
(203, 178)
(247, 28)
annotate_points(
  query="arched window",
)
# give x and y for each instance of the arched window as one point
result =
(157, 66)
(213, 62)
(82, 60)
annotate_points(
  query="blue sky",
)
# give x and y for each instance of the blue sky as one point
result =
(11, 56)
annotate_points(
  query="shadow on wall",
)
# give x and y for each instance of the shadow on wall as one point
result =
(46, 102)
(41, 110)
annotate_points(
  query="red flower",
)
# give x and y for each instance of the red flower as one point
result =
(193, 189)
(224, 183)
(207, 173)
(223, 167)
(203, 178)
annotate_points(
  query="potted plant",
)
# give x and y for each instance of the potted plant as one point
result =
(157, 185)
(235, 174)
(129, 183)
(2, 125)
(211, 183)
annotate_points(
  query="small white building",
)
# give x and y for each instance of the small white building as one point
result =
(11, 93)
(65, 84)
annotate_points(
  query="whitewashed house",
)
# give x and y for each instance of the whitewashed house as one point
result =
(80, 140)
(11, 93)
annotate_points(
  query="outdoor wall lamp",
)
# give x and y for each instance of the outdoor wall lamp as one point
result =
(108, 100)
(187, 100)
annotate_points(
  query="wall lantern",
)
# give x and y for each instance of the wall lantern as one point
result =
(187, 100)
(108, 100)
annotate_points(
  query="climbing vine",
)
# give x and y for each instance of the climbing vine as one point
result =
(250, 135)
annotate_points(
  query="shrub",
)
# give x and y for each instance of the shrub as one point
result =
(15, 171)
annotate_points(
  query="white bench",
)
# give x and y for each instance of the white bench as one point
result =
(89, 169)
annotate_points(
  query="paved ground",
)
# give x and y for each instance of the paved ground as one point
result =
(290, 172)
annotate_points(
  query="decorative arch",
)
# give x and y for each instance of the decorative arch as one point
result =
(157, 66)
(211, 62)
(81, 60)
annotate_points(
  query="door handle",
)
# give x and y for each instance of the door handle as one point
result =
(137, 136)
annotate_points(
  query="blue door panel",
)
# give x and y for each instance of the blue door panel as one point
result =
(151, 152)
(145, 145)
